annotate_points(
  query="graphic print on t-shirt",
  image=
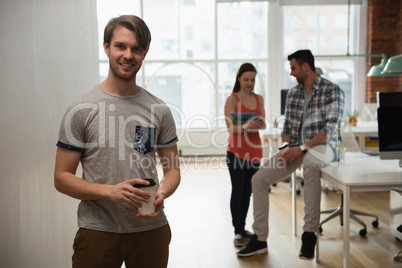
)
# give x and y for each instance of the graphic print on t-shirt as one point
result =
(144, 140)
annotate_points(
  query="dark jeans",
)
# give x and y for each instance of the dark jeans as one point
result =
(241, 172)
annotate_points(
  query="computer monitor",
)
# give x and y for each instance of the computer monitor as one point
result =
(389, 99)
(284, 93)
(389, 116)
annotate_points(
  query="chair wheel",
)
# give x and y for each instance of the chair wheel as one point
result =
(298, 192)
(375, 223)
(363, 232)
(274, 184)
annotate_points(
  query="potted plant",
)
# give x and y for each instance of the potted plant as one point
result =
(352, 118)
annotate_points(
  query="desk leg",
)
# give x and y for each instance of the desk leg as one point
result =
(294, 219)
(346, 227)
(362, 142)
(317, 248)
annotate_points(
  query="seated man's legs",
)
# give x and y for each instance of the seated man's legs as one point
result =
(315, 159)
(270, 172)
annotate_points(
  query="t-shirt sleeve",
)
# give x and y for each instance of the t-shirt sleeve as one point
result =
(168, 135)
(71, 132)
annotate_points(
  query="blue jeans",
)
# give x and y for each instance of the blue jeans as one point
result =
(241, 172)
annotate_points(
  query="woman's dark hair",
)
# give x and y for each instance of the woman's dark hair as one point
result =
(302, 56)
(245, 67)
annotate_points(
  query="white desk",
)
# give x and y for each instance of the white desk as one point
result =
(364, 129)
(359, 174)
(272, 136)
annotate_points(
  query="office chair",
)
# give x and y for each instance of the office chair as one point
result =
(350, 145)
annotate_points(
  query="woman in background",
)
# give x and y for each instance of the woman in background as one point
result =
(244, 151)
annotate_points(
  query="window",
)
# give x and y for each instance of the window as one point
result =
(341, 21)
(242, 30)
(316, 43)
(292, 21)
(340, 43)
(317, 21)
(198, 45)
(290, 44)
(330, 38)
(188, 90)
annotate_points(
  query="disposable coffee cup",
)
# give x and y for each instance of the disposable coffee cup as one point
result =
(148, 207)
(342, 152)
(283, 148)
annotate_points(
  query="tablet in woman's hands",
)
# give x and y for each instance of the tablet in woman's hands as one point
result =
(243, 117)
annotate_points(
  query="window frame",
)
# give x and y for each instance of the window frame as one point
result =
(275, 31)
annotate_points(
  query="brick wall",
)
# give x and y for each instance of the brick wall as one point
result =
(384, 35)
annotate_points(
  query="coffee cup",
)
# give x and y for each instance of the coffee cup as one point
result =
(148, 207)
(341, 152)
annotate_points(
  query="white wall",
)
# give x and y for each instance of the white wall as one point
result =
(48, 56)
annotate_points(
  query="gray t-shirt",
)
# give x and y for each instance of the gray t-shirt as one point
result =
(303, 130)
(118, 137)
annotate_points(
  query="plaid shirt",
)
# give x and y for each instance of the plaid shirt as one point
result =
(324, 112)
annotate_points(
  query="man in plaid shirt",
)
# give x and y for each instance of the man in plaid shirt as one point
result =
(313, 115)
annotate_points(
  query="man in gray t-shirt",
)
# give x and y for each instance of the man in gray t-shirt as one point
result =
(115, 130)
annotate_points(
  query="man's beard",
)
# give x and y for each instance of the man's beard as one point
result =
(301, 79)
(120, 77)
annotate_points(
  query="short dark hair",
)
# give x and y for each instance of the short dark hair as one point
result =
(302, 56)
(132, 23)
(245, 67)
